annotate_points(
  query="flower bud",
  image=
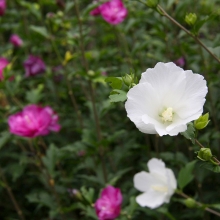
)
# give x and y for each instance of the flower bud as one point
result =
(190, 203)
(202, 121)
(127, 79)
(205, 154)
(91, 73)
(75, 193)
(190, 19)
(151, 3)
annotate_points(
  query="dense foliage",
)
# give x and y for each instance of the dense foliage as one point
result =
(69, 65)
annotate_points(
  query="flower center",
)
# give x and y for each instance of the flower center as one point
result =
(160, 188)
(167, 115)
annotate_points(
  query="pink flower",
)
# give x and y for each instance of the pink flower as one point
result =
(34, 65)
(180, 62)
(108, 206)
(2, 7)
(34, 121)
(16, 40)
(3, 63)
(112, 11)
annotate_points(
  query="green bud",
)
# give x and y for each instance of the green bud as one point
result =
(205, 154)
(152, 3)
(190, 19)
(190, 203)
(60, 13)
(91, 73)
(202, 121)
(127, 79)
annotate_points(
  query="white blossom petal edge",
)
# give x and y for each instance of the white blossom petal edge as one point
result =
(166, 99)
(157, 186)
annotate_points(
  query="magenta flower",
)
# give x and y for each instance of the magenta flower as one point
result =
(34, 65)
(112, 11)
(3, 63)
(108, 206)
(34, 121)
(180, 62)
(16, 40)
(2, 7)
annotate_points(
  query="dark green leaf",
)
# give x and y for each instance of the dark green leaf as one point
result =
(115, 82)
(209, 166)
(40, 30)
(185, 175)
(190, 132)
(120, 96)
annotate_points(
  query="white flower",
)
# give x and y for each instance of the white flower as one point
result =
(157, 186)
(166, 99)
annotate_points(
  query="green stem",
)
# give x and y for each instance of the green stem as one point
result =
(11, 195)
(164, 13)
(92, 92)
(179, 192)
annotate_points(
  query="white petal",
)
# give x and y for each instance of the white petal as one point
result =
(168, 80)
(151, 199)
(142, 99)
(156, 166)
(176, 130)
(194, 96)
(159, 127)
(171, 183)
(143, 181)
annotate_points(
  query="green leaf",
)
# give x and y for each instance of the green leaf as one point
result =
(33, 96)
(209, 166)
(215, 50)
(120, 96)
(88, 194)
(40, 30)
(4, 138)
(115, 82)
(185, 175)
(216, 206)
(190, 132)
(50, 159)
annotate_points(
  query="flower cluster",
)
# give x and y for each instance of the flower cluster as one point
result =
(112, 11)
(108, 206)
(166, 99)
(34, 121)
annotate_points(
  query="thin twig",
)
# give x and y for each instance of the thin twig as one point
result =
(92, 92)
(12, 197)
(198, 203)
(188, 32)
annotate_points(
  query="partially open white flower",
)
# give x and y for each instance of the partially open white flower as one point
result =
(157, 186)
(166, 99)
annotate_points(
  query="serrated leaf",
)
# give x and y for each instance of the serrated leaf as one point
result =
(40, 30)
(114, 82)
(185, 175)
(120, 96)
(190, 132)
(209, 166)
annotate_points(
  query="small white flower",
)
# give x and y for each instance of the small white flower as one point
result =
(166, 99)
(157, 186)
